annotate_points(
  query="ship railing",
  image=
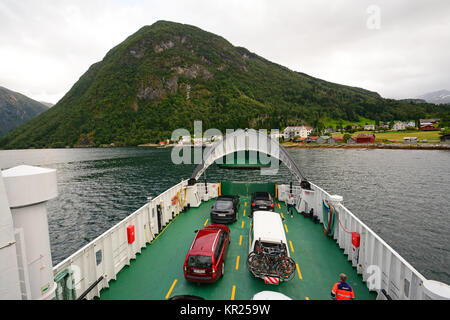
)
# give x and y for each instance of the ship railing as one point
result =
(86, 272)
(381, 267)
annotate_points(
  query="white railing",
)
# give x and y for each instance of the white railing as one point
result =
(106, 255)
(381, 267)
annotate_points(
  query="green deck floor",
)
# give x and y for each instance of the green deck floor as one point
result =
(157, 272)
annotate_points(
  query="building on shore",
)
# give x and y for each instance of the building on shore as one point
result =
(402, 125)
(365, 138)
(429, 124)
(323, 139)
(429, 127)
(312, 139)
(351, 140)
(293, 131)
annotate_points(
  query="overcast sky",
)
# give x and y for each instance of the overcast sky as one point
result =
(399, 48)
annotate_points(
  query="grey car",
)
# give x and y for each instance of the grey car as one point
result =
(225, 209)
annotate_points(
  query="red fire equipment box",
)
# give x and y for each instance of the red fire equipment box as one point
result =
(130, 234)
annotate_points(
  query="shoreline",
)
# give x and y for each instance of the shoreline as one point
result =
(413, 146)
(371, 146)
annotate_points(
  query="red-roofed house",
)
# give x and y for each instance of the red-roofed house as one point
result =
(429, 127)
(365, 138)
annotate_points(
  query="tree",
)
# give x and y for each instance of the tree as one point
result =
(347, 136)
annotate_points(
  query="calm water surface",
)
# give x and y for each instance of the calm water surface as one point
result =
(403, 195)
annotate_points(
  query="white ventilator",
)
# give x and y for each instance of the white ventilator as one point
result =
(27, 190)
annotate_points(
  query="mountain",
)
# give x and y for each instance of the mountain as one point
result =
(413, 100)
(168, 74)
(437, 97)
(16, 109)
(47, 104)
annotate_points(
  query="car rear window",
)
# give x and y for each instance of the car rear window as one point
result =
(199, 261)
(222, 205)
(261, 195)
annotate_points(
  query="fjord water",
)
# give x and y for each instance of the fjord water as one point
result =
(403, 195)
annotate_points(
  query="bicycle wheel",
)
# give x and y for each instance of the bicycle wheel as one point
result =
(256, 264)
(285, 268)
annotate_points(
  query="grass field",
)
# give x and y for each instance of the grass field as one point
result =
(398, 136)
(333, 122)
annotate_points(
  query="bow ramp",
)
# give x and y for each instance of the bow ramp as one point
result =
(255, 142)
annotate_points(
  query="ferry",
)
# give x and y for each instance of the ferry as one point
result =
(142, 256)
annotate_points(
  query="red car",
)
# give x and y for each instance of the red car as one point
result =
(205, 260)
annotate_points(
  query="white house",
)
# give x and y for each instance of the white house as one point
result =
(409, 124)
(293, 131)
(402, 125)
(398, 125)
(369, 127)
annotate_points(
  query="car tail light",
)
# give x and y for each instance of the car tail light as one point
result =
(271, 205)
(253, 204)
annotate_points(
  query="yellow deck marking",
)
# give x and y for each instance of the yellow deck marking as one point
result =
(282, 215)
(292, 248)
(245, 204)
(307, 298)
(279, 206)
(205, 222)
(299, 273)
(242, 224)
(244, 212)
(171, 288)
(240, 240)
(237, 263)
(233, 292)
(285, 227)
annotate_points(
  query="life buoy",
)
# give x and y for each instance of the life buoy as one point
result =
(174, 199)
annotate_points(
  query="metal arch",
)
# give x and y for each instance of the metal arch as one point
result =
(230, 144)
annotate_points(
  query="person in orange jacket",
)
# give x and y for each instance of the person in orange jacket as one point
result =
(341, 290)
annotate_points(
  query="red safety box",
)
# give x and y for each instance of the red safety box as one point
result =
(130, 234)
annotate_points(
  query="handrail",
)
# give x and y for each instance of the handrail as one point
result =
(84, 294)
(381, 266)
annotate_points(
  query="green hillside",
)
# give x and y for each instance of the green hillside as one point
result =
(167, 75)
(15, 109)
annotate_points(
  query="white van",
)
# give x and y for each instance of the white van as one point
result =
(267, 227)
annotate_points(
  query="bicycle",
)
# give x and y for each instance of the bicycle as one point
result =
(271, 261)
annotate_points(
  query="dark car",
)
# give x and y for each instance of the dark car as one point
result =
(205, 260)
(262, 201)
(225, 209)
